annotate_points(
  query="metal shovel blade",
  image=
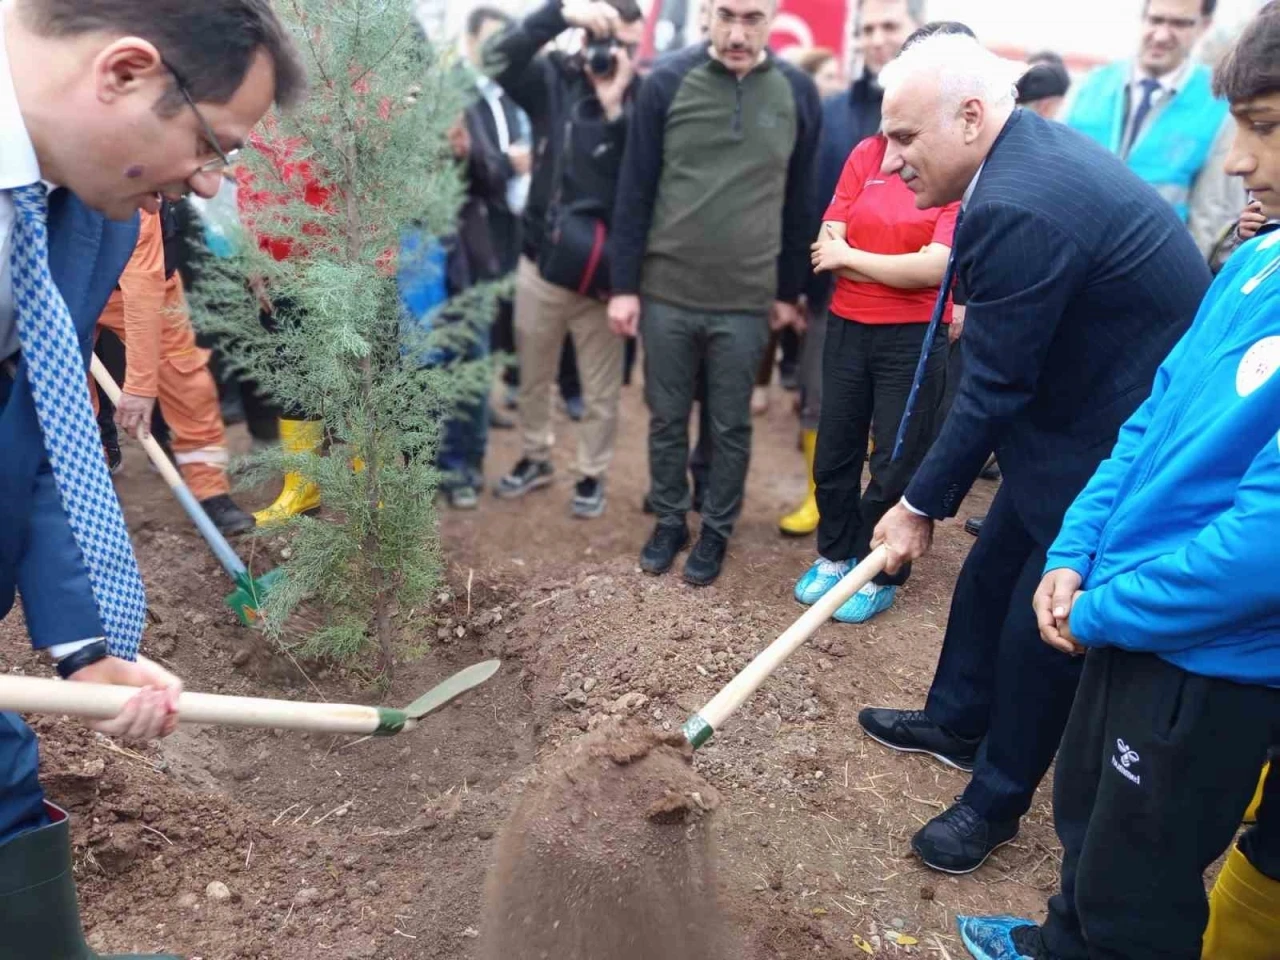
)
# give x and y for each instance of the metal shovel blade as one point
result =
(459, 683)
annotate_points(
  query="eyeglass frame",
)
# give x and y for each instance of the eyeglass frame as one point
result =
(224, 158)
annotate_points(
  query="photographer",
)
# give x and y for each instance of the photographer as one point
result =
(576, 106)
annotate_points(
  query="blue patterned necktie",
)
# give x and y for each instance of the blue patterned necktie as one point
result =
(55, 368)
(939, 308)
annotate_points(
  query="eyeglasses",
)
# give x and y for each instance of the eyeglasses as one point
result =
(225, 158)
(752, 21)
(1173, 23)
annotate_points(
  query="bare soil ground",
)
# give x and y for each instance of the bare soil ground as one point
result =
(256, 844)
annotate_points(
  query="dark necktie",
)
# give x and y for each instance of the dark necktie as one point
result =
(1149, 87)
(939, 308)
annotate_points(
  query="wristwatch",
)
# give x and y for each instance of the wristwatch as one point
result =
(86, 655)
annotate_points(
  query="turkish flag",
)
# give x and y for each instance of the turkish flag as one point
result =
(810, 23)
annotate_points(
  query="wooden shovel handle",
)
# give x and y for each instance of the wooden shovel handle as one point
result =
(158, 459)
(99, 701)
(741, 687)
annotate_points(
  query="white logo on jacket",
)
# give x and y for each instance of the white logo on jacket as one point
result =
(1257, 366)
(1126, 760)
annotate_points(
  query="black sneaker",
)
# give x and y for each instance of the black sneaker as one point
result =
(588, 498)
(1029, 942)
(704, 563)
(973, 526)
(911, 731)
(960, 839)
(227, 516)
(115, 459)
(666, 541)
(527, 475)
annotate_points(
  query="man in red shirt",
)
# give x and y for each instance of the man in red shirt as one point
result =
(888, 259)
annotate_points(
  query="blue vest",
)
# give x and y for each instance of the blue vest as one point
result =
(1173, 146)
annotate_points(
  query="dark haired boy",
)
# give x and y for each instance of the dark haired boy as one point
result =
(1164, 576)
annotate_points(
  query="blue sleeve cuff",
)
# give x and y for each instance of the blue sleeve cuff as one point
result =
(1085, 626)
(1065, 561)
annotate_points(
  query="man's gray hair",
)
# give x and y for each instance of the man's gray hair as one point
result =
(965, 69)
(915, 9)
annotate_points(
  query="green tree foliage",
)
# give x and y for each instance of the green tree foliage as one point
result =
(340, 349)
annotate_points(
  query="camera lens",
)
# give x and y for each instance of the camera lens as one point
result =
(601, 57)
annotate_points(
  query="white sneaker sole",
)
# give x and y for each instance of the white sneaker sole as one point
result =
(941, 758)
(506, 493)
(585, 512)
(960, 873)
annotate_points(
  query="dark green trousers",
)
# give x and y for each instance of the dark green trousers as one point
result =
(676, 341)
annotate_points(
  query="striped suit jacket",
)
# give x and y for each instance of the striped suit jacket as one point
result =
(1080, 279)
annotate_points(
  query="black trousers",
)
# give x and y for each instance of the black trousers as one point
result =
(867, 371)
(996, 678)
(1156, 769)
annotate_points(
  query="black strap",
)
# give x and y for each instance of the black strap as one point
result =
(89, 654)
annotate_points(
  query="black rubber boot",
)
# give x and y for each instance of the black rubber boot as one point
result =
(39, 916)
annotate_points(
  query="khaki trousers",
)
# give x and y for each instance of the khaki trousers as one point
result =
(544, 313)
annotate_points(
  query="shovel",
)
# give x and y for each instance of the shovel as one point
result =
(702, 726)
(102, 701)
(246, 599)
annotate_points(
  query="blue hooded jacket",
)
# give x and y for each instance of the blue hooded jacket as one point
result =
(1177, 536)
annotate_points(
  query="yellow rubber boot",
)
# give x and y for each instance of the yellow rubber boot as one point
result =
(298, 495)
(1251, 815)
(1244, 913)
(804, 520)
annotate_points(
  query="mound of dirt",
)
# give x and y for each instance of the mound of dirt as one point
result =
(608, 857)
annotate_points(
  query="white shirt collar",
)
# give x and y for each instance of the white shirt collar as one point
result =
(1170, 83)
(18, 164)
(973, 185)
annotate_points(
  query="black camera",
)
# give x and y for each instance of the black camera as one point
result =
(601, 57)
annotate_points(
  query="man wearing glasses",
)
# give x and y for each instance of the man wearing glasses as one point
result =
(1159, 115)
(94, 124)
(710, 247)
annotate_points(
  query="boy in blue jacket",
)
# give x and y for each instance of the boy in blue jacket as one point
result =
(1166, 575)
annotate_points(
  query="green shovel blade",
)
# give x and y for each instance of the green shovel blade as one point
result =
(459, 683)
(246, 599)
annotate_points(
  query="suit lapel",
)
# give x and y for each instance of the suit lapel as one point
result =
(75, 239)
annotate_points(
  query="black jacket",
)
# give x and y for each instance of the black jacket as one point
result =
(504, 225)
(552, 88)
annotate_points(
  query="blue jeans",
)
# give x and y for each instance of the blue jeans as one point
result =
(466, 434)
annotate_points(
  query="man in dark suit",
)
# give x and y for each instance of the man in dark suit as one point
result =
(1079, 280)
(88, 102)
